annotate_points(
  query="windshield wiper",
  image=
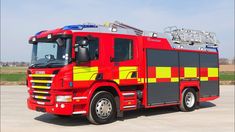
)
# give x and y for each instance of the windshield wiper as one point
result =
(37, 64)
(54, 64)
(49, 63)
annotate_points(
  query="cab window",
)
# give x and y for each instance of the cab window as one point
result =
(93, 47)
(123, 49)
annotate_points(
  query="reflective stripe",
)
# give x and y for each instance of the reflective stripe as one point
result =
(41, 103)
(40, 81)
(126, 72)
(84, 69)
(130, 106)
(163, 72)
(84, 73)
(151, 80)
(82, 97)
(190, 72)
(41, 87)
(203, 78)
(213, 72)
(116, 80)
(79, 112)
(40, 97)
(43, 92)
(41, 75)
(174, 79)
(128, 94)
(141, 80)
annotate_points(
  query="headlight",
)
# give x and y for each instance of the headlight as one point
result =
(66, 98)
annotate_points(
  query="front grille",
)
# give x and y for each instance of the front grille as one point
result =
(41, 78)
(41, 85)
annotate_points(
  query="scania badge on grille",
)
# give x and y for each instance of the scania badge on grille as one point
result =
(40, 72)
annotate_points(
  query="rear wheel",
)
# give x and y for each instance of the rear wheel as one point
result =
(189, 100)
(102, 108)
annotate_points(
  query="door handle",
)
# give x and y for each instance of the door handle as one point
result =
(111, 59)
(116, 64)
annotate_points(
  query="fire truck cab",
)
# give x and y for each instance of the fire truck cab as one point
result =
(100, 71)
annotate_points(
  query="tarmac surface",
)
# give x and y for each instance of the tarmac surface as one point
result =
(214, 116)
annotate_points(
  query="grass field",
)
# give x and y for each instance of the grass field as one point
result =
(227, 76)
(13, 77)
(17, 74)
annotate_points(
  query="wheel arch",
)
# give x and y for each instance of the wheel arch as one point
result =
(107, 86)
(190, 84)
(196, 88)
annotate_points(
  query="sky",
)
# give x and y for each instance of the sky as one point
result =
(21, 19)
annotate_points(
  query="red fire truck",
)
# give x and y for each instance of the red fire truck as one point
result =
(100, 71)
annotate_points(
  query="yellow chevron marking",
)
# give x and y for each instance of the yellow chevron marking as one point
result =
(203, 78)
(84, 73)
(151, 80)
(213, 72)
(174, 79)
(163, 72)
(117, 81)
(126, 72)
(190, 72)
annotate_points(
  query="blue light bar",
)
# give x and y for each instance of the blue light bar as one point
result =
(78, 27)
(40, 32)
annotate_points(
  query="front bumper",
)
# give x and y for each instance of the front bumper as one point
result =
(58, 108)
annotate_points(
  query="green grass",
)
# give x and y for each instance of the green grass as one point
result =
(227, 76)
(13, 77)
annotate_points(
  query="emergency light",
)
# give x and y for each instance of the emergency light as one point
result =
(79, 27)
(40, 32)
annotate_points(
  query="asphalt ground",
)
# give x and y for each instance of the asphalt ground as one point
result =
(214, 116)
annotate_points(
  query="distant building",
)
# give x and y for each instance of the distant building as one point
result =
(14, 64)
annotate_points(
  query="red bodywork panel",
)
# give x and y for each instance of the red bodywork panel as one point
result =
(64, 82)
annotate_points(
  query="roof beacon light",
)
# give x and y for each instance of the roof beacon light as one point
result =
(113, 29)
(79, 27)
(34, 39)
(201, 48)
(154, 35)
(49, 36)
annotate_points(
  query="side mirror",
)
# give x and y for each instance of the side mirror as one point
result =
(82, 54)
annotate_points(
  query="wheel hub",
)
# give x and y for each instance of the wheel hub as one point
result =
(189, 99)
(103, 108)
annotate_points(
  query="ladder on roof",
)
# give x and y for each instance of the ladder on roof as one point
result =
(125, 26)
(191, 37)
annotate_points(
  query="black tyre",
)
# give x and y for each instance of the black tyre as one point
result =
(189, 100)
(102, 108)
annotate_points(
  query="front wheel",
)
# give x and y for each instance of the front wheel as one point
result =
(189, 100)
(102, 108)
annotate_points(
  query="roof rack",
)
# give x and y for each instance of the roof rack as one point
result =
(125, 26)
(192, 37)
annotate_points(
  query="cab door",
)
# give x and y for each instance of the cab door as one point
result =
(85, 73)
(124, 60)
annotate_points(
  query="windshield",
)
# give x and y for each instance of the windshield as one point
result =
(51, 54)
